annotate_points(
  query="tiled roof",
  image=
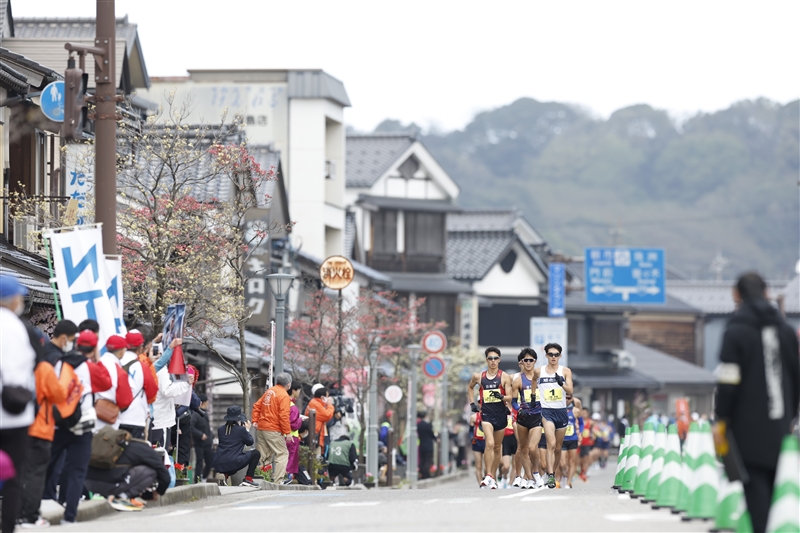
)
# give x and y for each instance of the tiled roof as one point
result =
(470, 255)
(316, 84)
(69, 28)
(425, 283)
(483, 221)
(666, 368)
(711, 297)
(612, 378)
(369, 156)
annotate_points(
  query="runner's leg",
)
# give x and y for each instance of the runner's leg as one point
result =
(534, 435)
(550, 435)
(559, 437)
(523, 451)
(490, 451)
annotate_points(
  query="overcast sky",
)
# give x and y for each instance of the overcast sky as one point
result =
(438, 62)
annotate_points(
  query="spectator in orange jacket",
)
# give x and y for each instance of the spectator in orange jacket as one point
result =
(271, 418)
(324, 407)
(50, 390)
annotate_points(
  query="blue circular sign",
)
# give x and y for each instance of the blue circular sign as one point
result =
(433, 367)
(52, 101)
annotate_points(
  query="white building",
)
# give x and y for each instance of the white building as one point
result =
(300, 114)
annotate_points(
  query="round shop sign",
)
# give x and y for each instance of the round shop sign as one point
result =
(393, 394)
(433, 367)
(434, 342)
(336, 272)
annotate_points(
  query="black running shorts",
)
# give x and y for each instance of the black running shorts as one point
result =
(509, 445)
(585, 450)
(528, 420)
(569, 445)
(557, 416)
(543, 442)
(498, 422)
(479, 446)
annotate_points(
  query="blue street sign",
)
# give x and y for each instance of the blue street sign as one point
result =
(555, 300)
(52, 101)
(433, 367)
(625, 276)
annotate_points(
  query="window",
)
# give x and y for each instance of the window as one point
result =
(425, 234)
(607, 335)
(439, 307)
(384, 232)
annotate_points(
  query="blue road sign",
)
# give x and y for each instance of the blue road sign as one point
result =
(433, 367)
(555, 299)
(52, 101)
(625, 276)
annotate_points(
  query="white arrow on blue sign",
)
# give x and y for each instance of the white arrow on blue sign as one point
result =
(52, 101)
(625, 275)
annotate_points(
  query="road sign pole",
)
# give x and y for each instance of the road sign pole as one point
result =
(411, 473)
(106, 125)
(444, 433)
(372, 435)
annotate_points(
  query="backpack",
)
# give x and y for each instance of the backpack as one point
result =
(108, 444)
(68, 413)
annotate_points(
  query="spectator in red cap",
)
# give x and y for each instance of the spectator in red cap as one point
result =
(76, 442)
(119, 397)
(142, 384)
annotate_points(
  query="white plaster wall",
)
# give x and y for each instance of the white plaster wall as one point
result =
(522, 281)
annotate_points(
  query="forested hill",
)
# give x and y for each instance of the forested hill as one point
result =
(722, 182)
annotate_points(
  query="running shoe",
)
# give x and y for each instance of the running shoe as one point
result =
(518, 482)
(539, 480)
(551, 481)
(564, 482)
(137, 502)
(558, 483)
(40, 523)
(582, 475)
(122, 505)
(493, 484)
(487, 482)
(531, 484)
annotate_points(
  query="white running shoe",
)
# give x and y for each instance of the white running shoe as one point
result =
(487, 482)
(494, 485)
(517, 482)
(531, 484)
(539, 481)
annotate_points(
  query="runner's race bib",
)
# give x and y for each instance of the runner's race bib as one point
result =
(570, 430)
(555, 395)
(528, 395)
(488, 397)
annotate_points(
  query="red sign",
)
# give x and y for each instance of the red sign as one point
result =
(434, 342)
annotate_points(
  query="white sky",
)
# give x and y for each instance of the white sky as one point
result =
(440, 61)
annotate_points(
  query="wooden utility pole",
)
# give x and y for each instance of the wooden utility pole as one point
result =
(106, 124)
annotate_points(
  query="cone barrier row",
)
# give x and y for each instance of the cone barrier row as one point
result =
(669, 482)
(703, 483)
(645, 461)
(632, 461)
(730, 504)
(621, 460)
(651, 492)
(784, 513)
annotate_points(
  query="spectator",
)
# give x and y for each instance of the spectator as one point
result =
(426, 439)
(324, 407)
(233, 436)
(339, 425)
(120, 392)
(203, 439)
(183, 435)
(164, 406)
(342, 459)
(76, 443)
(138, 469)
(17, 363)
(271, 415)
(90, 324)
(62, 342)
(383, 434)
(143, 386)
(295, 422)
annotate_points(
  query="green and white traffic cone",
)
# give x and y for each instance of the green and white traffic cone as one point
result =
(669, 483)
(632, 460)
(645, 461)
(784, 514)
(730, 504)
(621, 460)
(691, 452)
(651, 493)
(703, 489)
(745, 524)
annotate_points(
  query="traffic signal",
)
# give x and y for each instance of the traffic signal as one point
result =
(75, 110)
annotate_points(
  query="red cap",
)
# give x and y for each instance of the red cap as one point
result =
(116, 342)
(86, 338)
(134, 339)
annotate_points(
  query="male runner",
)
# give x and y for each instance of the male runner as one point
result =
(554, 381)
(587, 452)
(529, 417)
(570, 444)
(495, 393)
(604, 433)
(478, 446)
(509, 450)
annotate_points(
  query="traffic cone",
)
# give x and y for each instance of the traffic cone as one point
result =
(645, 461)
(784, 514)
(705, 479)
(730, 504)
(632, 460)
(669, 482)
(690, 453)
(176, 364)
(621, 460)
(745, 524)
(651, 493)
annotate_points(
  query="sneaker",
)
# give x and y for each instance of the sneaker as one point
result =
(566, 485)
(518, 482)
(122, 505)
(564, 482)
(558, 483)
(137, 502)
(487, 482)
(248, 483)
(582, 475)
(551, 481)
(40, 522)
(493, 483)
(538, 480)
(531, 484)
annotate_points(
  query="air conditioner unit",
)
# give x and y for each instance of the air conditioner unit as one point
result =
(24, 229)
(623, 359)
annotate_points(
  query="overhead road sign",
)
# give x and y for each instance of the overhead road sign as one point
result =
(625, 276)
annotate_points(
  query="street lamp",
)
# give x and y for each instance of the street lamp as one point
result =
(411, 474)
(372, 434)
(279, 284)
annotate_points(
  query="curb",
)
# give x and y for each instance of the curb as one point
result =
(93, 509)
(267, 485)
(433, 482)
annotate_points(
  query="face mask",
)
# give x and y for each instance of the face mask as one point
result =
(68, 346)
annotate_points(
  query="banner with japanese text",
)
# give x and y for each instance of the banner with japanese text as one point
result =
(114, 292)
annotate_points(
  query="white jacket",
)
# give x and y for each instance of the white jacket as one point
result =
(17, 362)
(164, 406)
(137, 413)
(110, 361)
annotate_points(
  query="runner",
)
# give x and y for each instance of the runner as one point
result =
(570, 445)
(587, 453)
(509, 450)
(478, 445)
(554, 381)
(529, 418)
(495, 393)
(542, 461)
(602, 442)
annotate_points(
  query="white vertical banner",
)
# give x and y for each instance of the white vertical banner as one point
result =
(547, 330)
(114, 291)
(79, 169)
(82, 278)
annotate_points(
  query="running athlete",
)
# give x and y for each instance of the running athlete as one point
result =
(529, 417)
(587, 444)
(603, 441)
(570, 444)
(495, 393)
(509, 450)
(554, 381)
(478, 445)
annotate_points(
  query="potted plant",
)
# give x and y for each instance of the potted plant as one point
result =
(180, 475)
(325, 482)
(265, 473)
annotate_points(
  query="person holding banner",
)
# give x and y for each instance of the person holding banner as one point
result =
(164, 406)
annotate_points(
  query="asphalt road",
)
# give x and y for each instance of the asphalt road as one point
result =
(454, 506)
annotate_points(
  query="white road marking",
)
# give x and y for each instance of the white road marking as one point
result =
(237, 502)
(259, 507)
(428, 502)
(461, 500)
(545, 498)
(179, 513)
(641, 517)
(354, 504)
(522, 493)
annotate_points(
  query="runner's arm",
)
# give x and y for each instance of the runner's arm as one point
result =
(567, 380)
(507, 386)
(516, 387)
(471, 388)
